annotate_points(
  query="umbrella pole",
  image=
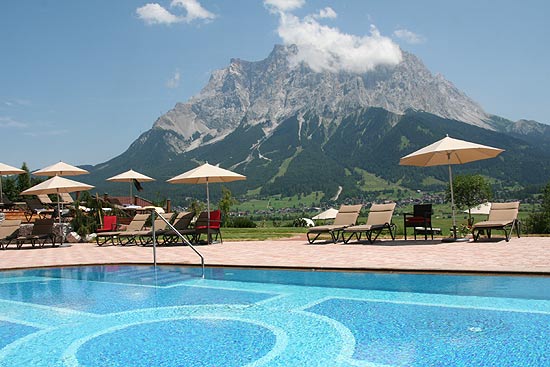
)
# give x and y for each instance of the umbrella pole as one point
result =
(59, 214)
(208, 212)
(452, 200)
(153, 212)
(1, 193)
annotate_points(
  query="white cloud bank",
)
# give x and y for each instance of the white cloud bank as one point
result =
(408, 36)
(154, 13)
(327, 48)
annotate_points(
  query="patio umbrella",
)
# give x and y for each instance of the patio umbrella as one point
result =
(7, 170)
(60, 169)
(57, 185)
(207, 173)
(484, 208)
(327, 214)
(131, 176)
(449, 151)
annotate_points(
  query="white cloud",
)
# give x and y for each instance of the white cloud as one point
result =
(327, 48)
(408, 36)
(327, 12)
(154, 13)
(8, 122)
(284, 5)
(194, 10)
(174, 81)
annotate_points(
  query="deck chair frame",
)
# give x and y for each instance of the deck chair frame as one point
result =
(379, 219)
(502, 216)
(347, 216)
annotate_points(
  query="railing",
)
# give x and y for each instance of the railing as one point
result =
(185, 240)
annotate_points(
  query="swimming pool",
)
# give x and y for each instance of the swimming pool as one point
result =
(139, 316)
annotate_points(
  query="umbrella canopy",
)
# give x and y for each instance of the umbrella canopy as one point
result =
(327, 214)
(207, 173)
(57, 185)
(449, 151)
(60, 169)
(131, 176)
(7, 170)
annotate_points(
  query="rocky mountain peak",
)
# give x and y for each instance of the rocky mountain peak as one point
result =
(272, 89)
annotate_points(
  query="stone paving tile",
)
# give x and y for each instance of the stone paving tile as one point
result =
(526, 254)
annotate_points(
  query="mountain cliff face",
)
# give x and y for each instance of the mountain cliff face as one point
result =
(268, 91)
(294, 131)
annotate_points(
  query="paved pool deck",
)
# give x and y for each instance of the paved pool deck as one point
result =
(529, 255)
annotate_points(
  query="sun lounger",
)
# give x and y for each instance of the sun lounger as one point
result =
(34, 206)
(379, 219)
(8, 231)
(145, 237)
(502, 216)
(42, 231)
(136, 224)
(347, 216)
(6, 203)
(182, 225)
(45, 200)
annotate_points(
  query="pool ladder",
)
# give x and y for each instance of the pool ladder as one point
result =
(185, 240)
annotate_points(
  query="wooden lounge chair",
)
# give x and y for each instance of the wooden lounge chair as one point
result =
(42, 231)
(6, 203)
(145, 236)
(34, 206)
(182, 225)
(8, 231)
(347, 216)
(420, 219)
(45, 200)
(379, 219)
(502, 216)
(137, 224)
(212, 227)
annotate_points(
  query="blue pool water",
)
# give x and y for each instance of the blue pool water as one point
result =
(138, 316)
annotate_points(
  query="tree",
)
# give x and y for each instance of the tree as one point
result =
(24, 179)
(469, 191)
(540, 222)
(226, 202)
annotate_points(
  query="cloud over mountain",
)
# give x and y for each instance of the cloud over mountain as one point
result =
(325, 48)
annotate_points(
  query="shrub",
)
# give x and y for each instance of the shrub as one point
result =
(241, 222)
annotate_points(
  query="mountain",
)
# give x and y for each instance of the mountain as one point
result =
(293, 131)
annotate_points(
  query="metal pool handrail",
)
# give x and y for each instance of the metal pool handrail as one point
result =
(153, 212)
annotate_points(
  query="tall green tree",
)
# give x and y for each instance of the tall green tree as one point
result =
(539, 222)
(24, 179)
(226, 202)
(469, 191)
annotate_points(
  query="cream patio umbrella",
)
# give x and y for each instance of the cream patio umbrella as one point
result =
(327, 214)
(7, 170)
(130, 176)
(60, 169)
(449, 151)
(207, 173)
(57, 185)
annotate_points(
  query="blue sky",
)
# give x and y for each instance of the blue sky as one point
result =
(81, 80)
